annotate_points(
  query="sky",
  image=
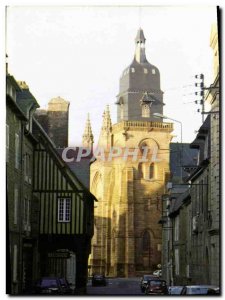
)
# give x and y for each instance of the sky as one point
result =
(80, 52)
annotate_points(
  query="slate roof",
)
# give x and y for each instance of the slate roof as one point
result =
(140, 35)
(26, 100)
(189, 158)
(80, 168)
(202, 132)
(177, 201)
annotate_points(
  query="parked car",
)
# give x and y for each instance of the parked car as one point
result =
(200, 290)
(49, 285)
(144, 281)
(175, 289)
(156, 287)
(66, 287)
(157, 273)
(98, 279)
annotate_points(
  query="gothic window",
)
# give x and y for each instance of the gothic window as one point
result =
(153, 71)
(146, 241)
(133, 70)
(145, 71)
(140, 170)
(151, 171)
(145, 111)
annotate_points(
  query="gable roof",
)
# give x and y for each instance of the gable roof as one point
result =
(72, 178)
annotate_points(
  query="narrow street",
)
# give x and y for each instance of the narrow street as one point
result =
(117, 286)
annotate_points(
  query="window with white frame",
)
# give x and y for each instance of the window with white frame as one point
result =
(17, 150)
(64, 209)
(176, 228)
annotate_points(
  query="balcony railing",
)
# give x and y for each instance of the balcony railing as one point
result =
(140, 124)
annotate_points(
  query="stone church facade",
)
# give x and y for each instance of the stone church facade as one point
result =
(128, 179)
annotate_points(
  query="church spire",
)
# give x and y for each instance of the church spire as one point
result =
(140, 47)
(107, 123)
(88, 137)
(105, 135)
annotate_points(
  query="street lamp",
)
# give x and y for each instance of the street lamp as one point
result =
(160, 116)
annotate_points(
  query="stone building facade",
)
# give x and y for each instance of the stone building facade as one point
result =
(21, 208)
(193, 217)
(213, 97)
(127, 180)
(174, 213)
(49, 212)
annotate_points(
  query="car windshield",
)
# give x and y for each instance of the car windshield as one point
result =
(49, 283)
(197, 291)
(176, 290)
(157, 283)
(146, 277)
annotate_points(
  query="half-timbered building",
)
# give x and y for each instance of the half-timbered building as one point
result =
(66, 214)
(49, 212)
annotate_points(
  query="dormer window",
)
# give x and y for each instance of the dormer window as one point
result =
(145, 111)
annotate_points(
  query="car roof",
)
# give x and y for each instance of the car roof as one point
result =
(201, 286)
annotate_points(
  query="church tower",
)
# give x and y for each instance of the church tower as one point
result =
(129, 179)
(88, 137)
(140, 95)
